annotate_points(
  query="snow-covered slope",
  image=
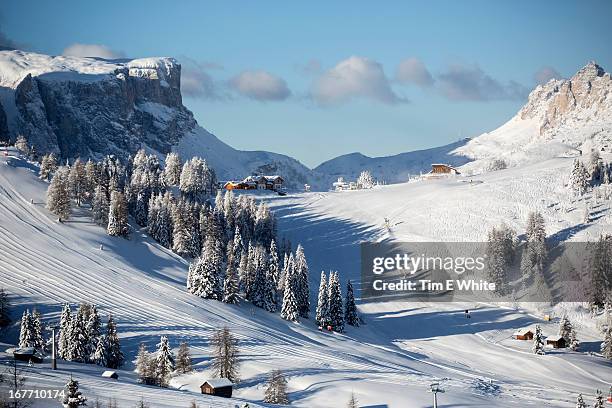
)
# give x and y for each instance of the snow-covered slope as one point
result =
(391, 169)
(561, 118)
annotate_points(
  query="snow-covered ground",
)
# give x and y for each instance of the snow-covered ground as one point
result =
(388, 362)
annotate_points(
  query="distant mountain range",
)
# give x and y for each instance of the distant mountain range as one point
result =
(89, 107)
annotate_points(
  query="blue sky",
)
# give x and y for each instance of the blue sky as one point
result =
(318, 79)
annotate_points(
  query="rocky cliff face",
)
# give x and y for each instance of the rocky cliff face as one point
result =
(115, 109)
(586, 96)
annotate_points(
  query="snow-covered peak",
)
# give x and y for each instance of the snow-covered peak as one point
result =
(16, 65)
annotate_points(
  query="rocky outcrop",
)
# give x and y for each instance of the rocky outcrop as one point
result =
(78, 114)
(587, 95)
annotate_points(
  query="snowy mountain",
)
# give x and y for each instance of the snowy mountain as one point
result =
(90, 107)
(561, 118)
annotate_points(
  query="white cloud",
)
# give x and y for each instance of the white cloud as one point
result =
(196, 82)
(462, 82)
(355, 77)
(260, 85)
(545, 74)
(413, 71)
(91, 50)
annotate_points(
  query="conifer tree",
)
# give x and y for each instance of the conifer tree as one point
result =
(93, 329)
(100, 354)
(335, 311)
(350, 309)
(290, 310)
(353, 402)
(565, 328)
(21, 144)
(164, 362)
(118, 216)
(73, 398)
(114, 356)
(77, 349)
(225, 355)
(580, 402)
(600, 271)
(538, 341)
(181, 240)
(5, 309)
(302, 281)
(58, 195)
(322, 317)
(37, 331)
(64, 332)
(204, 272)
(230, 285)
(276, 389)
(535, 252)
(274, 269)
(172, 170)
(25, 331)
(100, 207)
(48, 166)
(183, 359)
(579, 178)
(77, 181)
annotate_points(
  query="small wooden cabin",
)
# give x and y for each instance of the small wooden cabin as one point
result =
(110, 374)
(556, 341)
(219, 387)
(523, 334)
(28, 354)
(443, 169)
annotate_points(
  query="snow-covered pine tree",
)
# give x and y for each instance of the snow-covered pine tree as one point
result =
(64, 332)
(183, 359)
(94, 331)
(535, 252)
(5, 309)
(248, 274)
(276, 389)
(152, 216)
(580, 402)
(579, 178)
(195, 239)
(350, 309)
(270, 301)
(574, 343)
(204, 272)
(164, 220)
(181, 240)
(99, 356)
(538, 341)
(25, 330)
(225, 355)
(606, 345)
(172, 170)
(91, 177)
(195, 179)
(353, 403)
(290, 309)
(283, 273)
(48, 166)
(599, 400)
(565, 328)
(118, 216)
(259, 287)
(302, 282)
(73, 398)
(37, 331)
(100, 207)
(365, 180)
(500, 254)
(114, 356)
(600, 270)
(264, 226)
(58, 194)
(230, 285)
(164, 361)
(77, 181)
(274, 266)
(321, 314)
(335, 309)
(229, 213)
(77, 349)
(243, 269)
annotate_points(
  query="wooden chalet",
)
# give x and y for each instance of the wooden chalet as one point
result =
(219, 387)
(27, 354)
(442, 169)
(273, 183)
(556, 341)
(523, 334)
(110, 374)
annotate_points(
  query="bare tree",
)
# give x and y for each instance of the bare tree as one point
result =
(276, 391)
(225, 359)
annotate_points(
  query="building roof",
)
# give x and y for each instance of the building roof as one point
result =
(523, 331)
(219, 383)
(25, 350)
(554, 338)
(109, 373)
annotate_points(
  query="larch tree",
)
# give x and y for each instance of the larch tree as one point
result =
(183, 359)
(276, 389)
(58, 194)
(225, 355)
(77, 181)
(118, 216)
(100, 207)
(48, 166)
(172, 170)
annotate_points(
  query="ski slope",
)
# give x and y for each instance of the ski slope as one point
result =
(389, 362)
